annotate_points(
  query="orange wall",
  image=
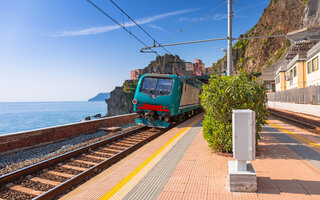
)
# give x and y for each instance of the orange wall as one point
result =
(283, 85)
(301, 70)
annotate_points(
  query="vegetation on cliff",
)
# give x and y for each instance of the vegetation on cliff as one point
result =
(255, 55)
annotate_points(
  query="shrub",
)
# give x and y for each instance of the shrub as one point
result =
(223, 94)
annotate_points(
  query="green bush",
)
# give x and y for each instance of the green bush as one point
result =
(223, 94)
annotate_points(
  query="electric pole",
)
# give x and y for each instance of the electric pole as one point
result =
(229, 50)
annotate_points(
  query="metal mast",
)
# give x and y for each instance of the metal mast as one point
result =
(229, 49)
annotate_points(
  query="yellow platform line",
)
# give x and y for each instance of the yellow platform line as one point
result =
(295, 135)
(124, 181)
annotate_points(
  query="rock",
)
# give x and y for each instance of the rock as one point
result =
(97, 116)
(120, 101)
(255, 55)
(312, 13)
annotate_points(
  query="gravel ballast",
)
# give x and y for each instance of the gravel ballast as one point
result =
(17, 160)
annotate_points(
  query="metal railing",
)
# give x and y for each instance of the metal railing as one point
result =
(308, 95)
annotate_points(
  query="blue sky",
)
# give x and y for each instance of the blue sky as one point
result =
(58, 50)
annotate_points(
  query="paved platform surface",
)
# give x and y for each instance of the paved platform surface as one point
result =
(180, 165)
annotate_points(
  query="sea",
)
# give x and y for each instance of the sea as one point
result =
(24, 116)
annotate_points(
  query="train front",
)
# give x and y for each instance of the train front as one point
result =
(156, 98)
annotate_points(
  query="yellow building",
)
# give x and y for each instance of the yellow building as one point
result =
(302, 68)
(296, 72)
(280, 79)
(312, 69)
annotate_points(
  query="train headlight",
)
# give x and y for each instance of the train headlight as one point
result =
(134, 101)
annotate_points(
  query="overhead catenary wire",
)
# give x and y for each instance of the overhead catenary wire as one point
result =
(155, 41)
(217, 39)
(122, 26)
(190, 42)
(252, 9)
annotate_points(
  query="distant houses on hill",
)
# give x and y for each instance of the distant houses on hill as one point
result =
(197, 68)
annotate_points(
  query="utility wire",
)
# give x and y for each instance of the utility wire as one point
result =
(216, 39)
(252, 9)
(190, 42)
(155, 41)
(122, 26)
(189, 25)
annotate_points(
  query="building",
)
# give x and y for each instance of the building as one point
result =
(135, 74)
(312, 66)
(301, 68)
(198, 67)
(280, 80)
(296, 72)
(189, 66)
(268, 76)
(207, 70)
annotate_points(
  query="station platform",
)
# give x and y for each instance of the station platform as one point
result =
(180, 165)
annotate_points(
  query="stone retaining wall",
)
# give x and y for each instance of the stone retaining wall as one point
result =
(23, 140)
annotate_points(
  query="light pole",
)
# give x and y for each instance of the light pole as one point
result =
(229, 50)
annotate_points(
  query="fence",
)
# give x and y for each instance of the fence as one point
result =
(308, 95)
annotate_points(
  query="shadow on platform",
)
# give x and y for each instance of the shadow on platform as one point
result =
(277, 186)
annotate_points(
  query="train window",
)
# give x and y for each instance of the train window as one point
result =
(156, 86)
(149, 83)
(164, 84)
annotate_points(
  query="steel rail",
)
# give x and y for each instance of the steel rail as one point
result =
(93, 170)
(43, 164)
(299, 122)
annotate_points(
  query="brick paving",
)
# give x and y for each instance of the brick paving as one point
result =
(99, 185)
(281, 173)
(287, 168)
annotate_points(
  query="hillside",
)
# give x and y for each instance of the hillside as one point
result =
(121, 97)
(279, 17)
(101, 97)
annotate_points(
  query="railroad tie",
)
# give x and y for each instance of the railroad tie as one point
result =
(61, 174)
(129, 142)
(132, 140)
(85, 162)
(116, 147)
(45, 181)
(95, 157)
(20, 188)
(74, 167)
(102, 153)
(112, 150)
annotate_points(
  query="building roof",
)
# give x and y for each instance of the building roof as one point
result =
(301, 47)
(313, 50)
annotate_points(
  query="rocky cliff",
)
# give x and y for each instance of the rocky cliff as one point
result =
(120, 101)
(279, 17)
(312, 13)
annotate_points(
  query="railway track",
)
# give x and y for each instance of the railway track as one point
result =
(307, 124)
(49, 178)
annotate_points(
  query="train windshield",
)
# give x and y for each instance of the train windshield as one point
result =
(156, 86)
